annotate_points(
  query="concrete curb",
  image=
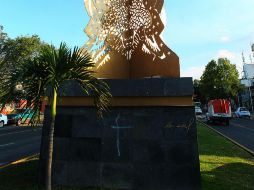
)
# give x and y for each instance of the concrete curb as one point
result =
(19, 161)
(233, 141)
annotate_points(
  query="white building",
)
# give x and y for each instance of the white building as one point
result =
(247, 98)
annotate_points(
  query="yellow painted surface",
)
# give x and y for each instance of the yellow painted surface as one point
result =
(129, 101)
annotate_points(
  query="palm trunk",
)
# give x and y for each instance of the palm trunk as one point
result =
(51, 142)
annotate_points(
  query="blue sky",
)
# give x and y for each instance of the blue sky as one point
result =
(196, 30)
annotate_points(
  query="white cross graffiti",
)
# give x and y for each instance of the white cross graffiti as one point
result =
(117, 127)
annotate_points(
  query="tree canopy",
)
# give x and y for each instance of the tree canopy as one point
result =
(22, 47)
(3, 37)
(220, 80)
(15, 52)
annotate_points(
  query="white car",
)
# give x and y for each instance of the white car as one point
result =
(198, 110)
(3, 120)
(242, 112)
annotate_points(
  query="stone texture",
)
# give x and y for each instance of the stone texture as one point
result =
(149, 87)
(132, 148)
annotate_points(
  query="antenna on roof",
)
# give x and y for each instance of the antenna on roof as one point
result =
(243, 58)
(252, 49)
(244, 74)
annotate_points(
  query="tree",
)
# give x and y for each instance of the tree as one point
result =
(220, 80)
(3, 37)
(197, 91)
(17, 51)
(50, 70)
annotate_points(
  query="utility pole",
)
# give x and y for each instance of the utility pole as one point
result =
(243, 72)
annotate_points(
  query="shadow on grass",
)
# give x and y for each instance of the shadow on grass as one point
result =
(20, 176)
(233, 176)
(24, 176)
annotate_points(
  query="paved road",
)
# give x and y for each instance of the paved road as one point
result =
(18, 142)
(240, 130)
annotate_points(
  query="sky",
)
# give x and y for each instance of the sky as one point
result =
(196, 30)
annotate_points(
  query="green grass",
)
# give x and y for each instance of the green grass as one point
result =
(224, 166)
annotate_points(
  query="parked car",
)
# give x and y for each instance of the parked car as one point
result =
(219, 111)
(242, 112)
(3, 120)
(198, 110)
(19, 116)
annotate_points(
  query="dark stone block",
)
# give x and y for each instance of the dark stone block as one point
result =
(61, 148)
(115, 151)
(141, 148)
(60, 173)
(86, 126)
(62, 145)
(147, 151)
(63, 125)
(186, 156)
(85, 149)
(147, 87)
(155, 87)
(119, 121)
(118, 176)
(166, 177)
(84, 174)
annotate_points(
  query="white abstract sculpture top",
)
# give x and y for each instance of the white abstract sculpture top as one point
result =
(125, 26)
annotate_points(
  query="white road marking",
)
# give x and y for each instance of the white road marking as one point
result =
(18, 132)
(3, 145)
(238, 125)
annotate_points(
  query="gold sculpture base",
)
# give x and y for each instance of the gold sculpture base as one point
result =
(140, 66)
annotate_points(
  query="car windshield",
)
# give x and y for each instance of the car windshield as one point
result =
(243, 109)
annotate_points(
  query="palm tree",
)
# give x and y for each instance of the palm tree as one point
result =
(49, 71)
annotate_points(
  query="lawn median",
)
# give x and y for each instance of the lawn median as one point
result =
(223, 165)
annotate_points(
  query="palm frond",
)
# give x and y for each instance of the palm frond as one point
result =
(51, 69)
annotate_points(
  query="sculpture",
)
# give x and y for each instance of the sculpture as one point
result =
(124, 39)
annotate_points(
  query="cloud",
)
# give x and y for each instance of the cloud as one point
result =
(225, 39)
(223, 53)
(194, 72)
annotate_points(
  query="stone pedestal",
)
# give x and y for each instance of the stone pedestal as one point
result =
(147, 141)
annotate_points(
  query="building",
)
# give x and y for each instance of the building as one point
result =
(247, 97)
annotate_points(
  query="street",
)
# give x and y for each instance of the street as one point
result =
(240, 130)
(18, 142)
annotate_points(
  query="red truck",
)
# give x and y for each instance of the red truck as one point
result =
(219, 110)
